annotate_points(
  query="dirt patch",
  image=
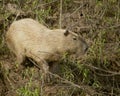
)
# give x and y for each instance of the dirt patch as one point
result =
(96, 21)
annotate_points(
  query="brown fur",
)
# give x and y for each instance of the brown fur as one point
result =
(28, 38)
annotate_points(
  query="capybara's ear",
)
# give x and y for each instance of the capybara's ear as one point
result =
(66, 33)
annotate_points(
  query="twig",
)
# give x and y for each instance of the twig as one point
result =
(111, 72)
(48, 3)
(87, 89)
(60, 21)
(75, 11)
(17, 16)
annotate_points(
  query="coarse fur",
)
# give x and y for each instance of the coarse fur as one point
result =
(29, 38)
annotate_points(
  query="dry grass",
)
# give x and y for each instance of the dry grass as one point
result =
(98, 72)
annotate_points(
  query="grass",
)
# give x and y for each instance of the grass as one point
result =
(27, 89)
(98, 69)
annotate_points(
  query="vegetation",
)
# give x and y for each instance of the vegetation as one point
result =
(96, 74)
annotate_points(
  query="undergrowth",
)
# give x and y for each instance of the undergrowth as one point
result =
(97, 72)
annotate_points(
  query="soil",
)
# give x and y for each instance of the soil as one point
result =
(99, 28)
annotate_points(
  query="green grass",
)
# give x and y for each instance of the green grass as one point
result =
(93, 69)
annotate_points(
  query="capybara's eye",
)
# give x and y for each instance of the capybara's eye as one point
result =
(74, 38)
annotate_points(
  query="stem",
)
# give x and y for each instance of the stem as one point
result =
(60, 22)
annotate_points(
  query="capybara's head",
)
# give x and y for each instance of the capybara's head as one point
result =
(76, 43)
